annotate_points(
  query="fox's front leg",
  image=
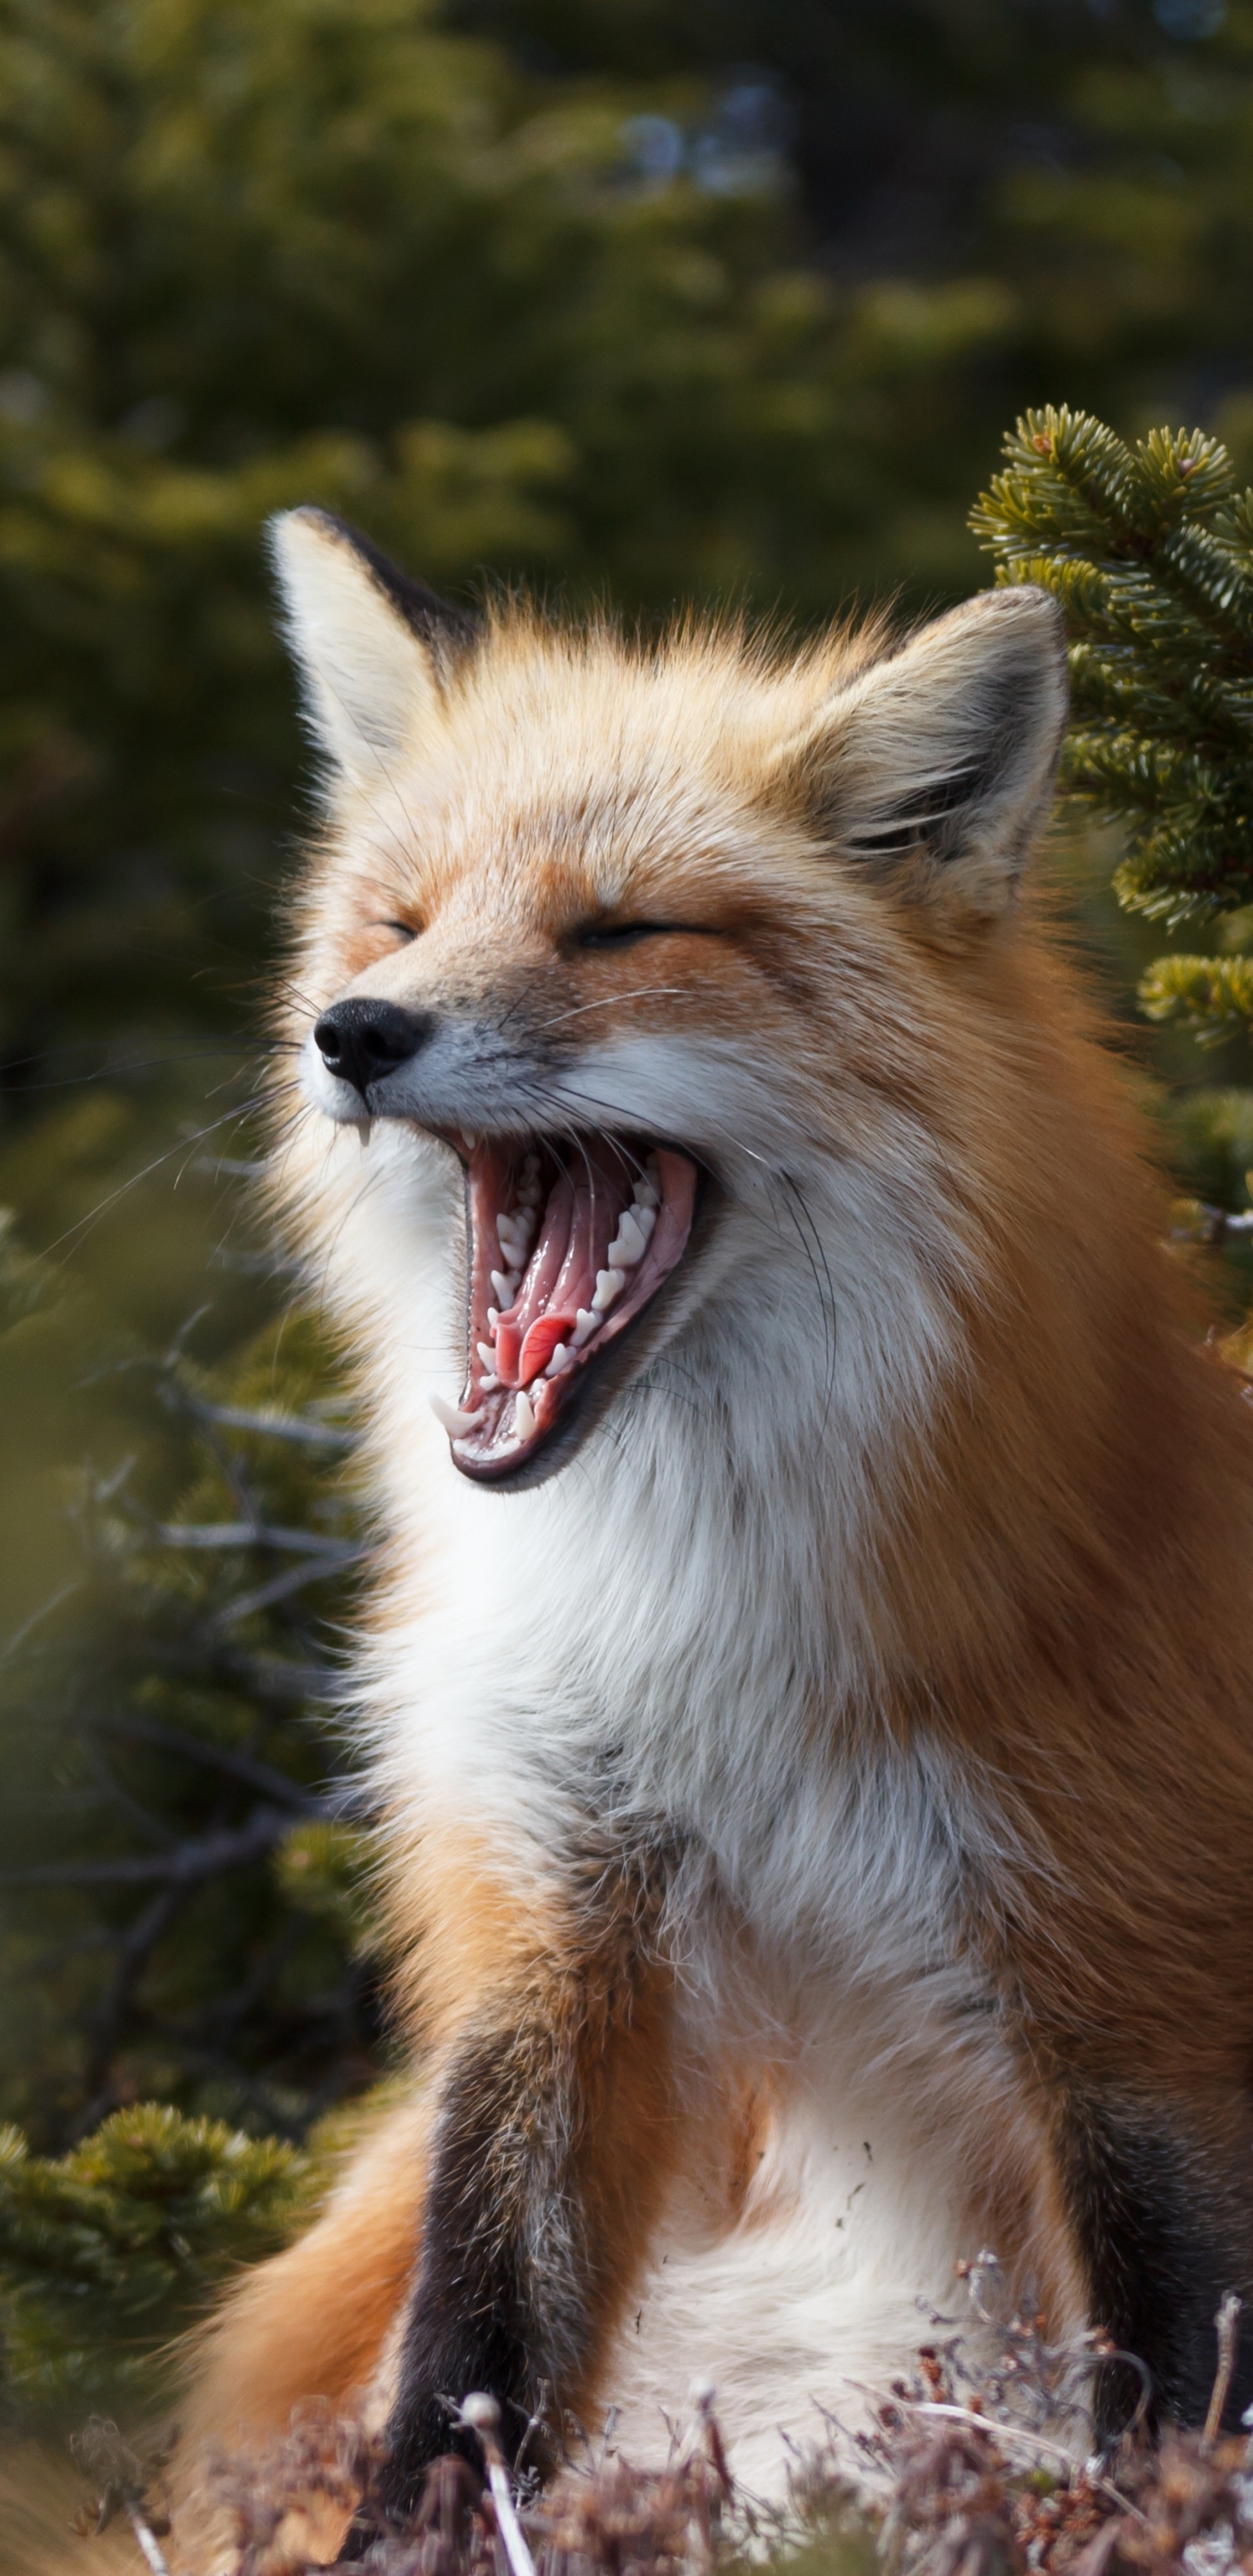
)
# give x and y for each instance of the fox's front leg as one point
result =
(553, 2135)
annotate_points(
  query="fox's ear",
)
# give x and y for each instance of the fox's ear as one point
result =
(934, 767)
(372, 646)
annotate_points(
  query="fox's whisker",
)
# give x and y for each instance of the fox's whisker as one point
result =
(85, 1225)
(611, 1002)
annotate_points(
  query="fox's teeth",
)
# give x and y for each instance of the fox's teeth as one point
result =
(450, 1415)
(505, 1283)
(523, 1417)
(470, 1139)
(493, 1318)
(609, 1284)
(629, 1243)
(647, 1194)
(486, 1354)
(562, 1358)
(585, 1323)
(489, 1379)
(512, 1240)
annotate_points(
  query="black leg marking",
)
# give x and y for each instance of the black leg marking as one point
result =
(1162, 2238)
(486, 2313)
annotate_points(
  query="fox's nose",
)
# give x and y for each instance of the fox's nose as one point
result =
(359, 1040)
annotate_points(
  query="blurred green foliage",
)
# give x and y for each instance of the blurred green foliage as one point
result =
(1149, 551)
(106, 2251)
(181, 1871)
(555, 298)
(654, 297)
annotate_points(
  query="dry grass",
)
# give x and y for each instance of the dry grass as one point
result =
(974, 2467)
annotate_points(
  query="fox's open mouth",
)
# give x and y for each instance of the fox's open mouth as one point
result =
(568, 1243)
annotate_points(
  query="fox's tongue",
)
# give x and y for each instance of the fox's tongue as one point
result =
(580, 1222)
(563, 1255)
(541, 1316)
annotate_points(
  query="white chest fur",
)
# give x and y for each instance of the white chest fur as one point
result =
(665, 1641)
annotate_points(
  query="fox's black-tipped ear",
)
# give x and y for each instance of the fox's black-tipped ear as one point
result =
(934, 767)
(373, 647)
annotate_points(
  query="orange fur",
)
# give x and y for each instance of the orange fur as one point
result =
(314, 2321)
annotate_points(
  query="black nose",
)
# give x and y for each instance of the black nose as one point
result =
(359, 1041)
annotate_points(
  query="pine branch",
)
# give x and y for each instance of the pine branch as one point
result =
(105, 2251)
(1150, 552)
(1212, 995)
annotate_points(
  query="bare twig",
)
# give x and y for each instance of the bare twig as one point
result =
(301, 1542)
(482, 2414)
(1212, 1225)
(187, 1861)
(147, 2540)
(201, 1748)
(1226, 2324)
(279, 1588)
(1014, 2437)
(302, 1427)
(120, 2483)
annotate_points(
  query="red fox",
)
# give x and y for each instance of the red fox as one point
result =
(808, 1674)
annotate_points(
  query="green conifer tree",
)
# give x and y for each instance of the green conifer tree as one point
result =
(1149, 548)
(1150, 551)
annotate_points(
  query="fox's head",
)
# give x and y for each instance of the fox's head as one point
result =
(672, 953)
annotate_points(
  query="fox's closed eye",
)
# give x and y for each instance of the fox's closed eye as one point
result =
(404, 929)
(627, 934)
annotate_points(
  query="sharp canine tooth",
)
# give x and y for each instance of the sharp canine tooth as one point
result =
(450, 1415)
(486, 1354)
(562, 1358)
(609, 1284)
(585, 1323)
(505, 1287)
(628, 1244)
(523, 1417)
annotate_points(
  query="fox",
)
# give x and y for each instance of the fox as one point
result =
(805, 1672)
